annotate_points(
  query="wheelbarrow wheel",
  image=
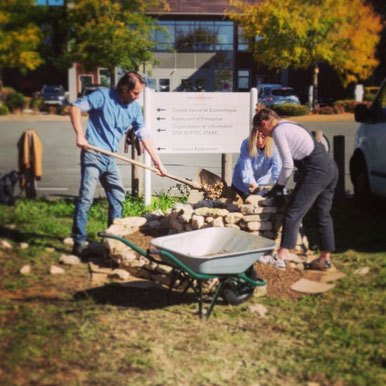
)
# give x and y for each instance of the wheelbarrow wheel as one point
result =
(237, 291)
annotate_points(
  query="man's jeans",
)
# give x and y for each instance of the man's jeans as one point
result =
(94, 167)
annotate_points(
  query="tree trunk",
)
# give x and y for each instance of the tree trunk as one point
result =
(315, 101)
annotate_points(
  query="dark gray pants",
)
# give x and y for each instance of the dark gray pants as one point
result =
(318, 177)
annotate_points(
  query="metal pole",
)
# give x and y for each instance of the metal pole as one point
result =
(147, 173)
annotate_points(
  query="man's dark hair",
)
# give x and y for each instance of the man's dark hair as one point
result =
(129, 80)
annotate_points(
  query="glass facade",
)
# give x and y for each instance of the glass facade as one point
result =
(195, 36)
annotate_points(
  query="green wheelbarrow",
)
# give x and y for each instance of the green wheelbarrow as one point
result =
(226, 254)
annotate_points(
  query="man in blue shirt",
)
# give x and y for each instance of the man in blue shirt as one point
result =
(111, 113)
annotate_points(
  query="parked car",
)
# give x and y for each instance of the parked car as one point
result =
(89, 88)
(54, 95)
(271, 94)
(368, 162)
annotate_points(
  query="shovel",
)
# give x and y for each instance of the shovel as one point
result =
(192, 184)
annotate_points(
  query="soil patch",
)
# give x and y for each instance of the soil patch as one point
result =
(278, 282)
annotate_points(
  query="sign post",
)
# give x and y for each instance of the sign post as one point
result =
(197, 122)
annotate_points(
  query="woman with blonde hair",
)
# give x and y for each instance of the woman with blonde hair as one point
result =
(258, 162)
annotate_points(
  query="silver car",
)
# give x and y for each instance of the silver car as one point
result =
(275, 94)
(368, 162)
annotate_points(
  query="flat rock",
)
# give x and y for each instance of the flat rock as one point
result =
(5, 244)
(54, 270)
(25, 269)
(69, 260)
(362, 271)
(258, 309)
(68, 241)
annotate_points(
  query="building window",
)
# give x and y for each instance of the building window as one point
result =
(85, 80)
(242, 43)
(104, 77)
(192, 85)
(195, 36)
(243, 79)
(223, 80)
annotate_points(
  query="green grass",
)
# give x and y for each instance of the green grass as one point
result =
(63, 331)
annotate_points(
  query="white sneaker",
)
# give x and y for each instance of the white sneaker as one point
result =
(274, 261)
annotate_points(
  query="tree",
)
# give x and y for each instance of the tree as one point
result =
(19, 37)
(108, 33)
(304, 33)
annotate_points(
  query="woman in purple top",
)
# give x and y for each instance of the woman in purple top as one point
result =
(317, 179)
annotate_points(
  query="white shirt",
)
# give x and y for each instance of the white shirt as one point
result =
(293, 143)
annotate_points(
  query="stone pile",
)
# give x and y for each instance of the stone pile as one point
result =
(256, 215)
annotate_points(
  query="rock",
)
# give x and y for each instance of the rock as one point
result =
(158, 213)
(24, 245)
(131, 222)
(232, 207)
(176, 225)
(154, 224)
(25, 269)
(204, 204)
(69, 260)
(49, 249)
(233, 218)
(260, 291)
(68, 241)
(197, 222)
(265, 209)
(254, 199)
(188, 227)
(5, 244)
(185, 217)
(256, 217)
(259, 226)
(218, 222)
(258, 309)
(54, 270)
(362, 271)
(128, 258)
(120, 274)
(267, 202)
(213, 212)
(232, 226)
(247, 209)
(96, 248)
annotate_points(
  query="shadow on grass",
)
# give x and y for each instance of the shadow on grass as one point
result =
(146, 299)
(31, 238)
(360, 229)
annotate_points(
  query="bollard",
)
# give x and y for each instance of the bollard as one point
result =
(339, 157)
(226, 168)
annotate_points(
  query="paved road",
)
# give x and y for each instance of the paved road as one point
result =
(61, 156)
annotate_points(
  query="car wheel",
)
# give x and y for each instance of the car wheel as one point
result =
(361, 184)
(237, 291)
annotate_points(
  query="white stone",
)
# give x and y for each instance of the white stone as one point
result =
(49, 249)
(120, 274)
(233, 218)
(197, 222)
(257, 217)
(185, 217)
(128, 258)
(247, 209)
(218, 222)
(232, 226)
(69, 260)
(158, 212)
(265, 209)
(213, 212)
(253, 199)
(54, 270)
(258, 309)
(68, 241)
(131, 222)
(362, 271)
(259, 226)
(25, 269)
(23, 245)
(5, 244)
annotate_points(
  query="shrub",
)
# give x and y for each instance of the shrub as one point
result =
(290, 109)
(5, 91)
(349, 104)
(36, 103)
(4, 110)
(15, 101)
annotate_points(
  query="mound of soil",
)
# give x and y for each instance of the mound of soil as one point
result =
(278, 282)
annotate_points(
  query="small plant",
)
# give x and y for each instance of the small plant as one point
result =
(4, 110)
(349, 104)
(291, 109)
(15, 101)
(36, 103)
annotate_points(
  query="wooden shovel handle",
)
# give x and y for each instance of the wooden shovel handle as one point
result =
(192, 184)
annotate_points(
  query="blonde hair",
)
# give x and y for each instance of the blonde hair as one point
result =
(252, 144)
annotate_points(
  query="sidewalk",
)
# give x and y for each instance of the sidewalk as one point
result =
(66, 118)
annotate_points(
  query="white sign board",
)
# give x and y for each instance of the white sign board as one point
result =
(198, 122)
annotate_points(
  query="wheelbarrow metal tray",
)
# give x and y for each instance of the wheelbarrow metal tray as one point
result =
(215, 251)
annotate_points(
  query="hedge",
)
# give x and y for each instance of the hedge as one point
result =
(290, 109)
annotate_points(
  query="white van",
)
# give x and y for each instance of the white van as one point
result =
(368, 162)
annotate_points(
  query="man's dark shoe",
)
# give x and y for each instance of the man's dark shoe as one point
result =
(319, 265)
(79, 249)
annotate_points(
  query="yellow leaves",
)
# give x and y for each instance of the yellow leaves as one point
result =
(343, 33)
